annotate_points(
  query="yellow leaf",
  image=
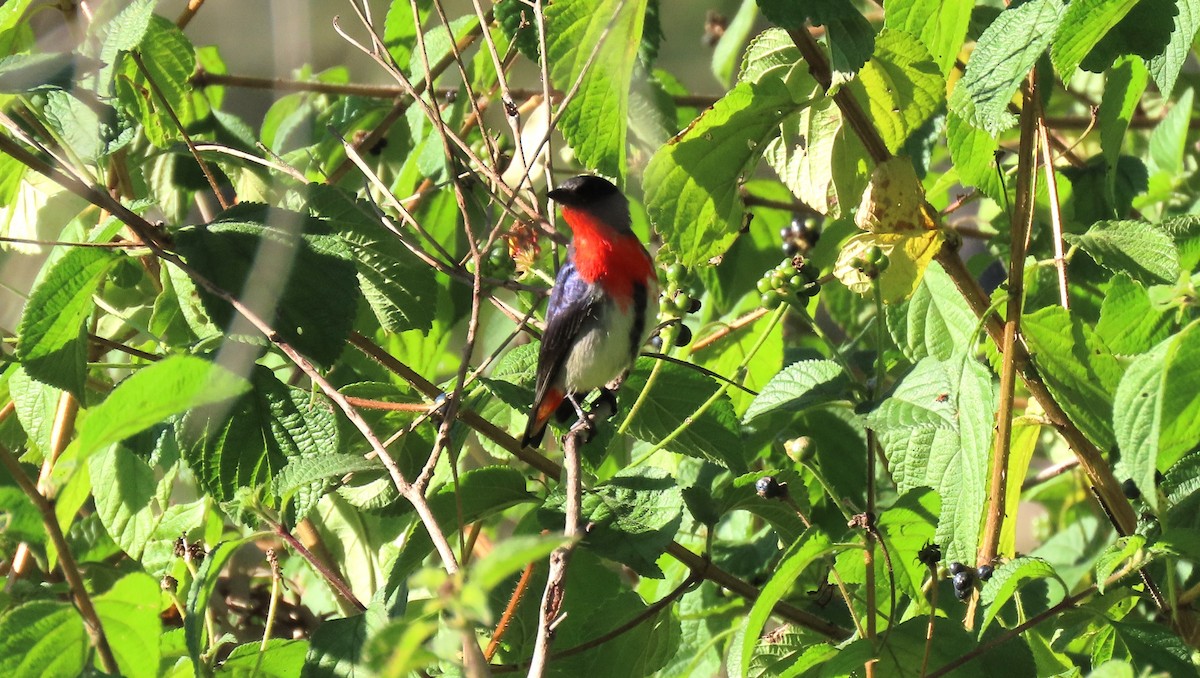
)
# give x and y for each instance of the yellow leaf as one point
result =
(899, 222)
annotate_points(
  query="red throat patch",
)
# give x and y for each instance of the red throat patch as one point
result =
(602, 255)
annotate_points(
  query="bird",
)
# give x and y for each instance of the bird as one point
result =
(596, 321)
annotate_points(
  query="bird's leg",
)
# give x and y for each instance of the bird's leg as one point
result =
(584, 422)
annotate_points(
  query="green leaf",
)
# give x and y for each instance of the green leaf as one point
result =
(35, 404)
(1168, 140)
(1144, 251)
(936, 429)
(511, 556)
(201, 592)
(974, 154)
(1156, 412)
(401, 289)
(124, 489)
(400, 30)
(692, 182)
(595, 121)
(1002, 58)
(906, 526)
(42, 638)
(244, 443)
(155, 393)
(282, 658)
(1008, 578)
(51, 339)
(1080, 371)
(799, 386)
(908, 650)
(631, 518)
(24, 73)
(1165, 66)
(1083, 25)
(729, 47)
(81, 127)
(129, 614)
(1153, 646)
(169, 59)
(901, 85)
(811, 546)
(316, 300)
(849, 34)
(1123, 87)
(802, 155)
(1124, 549)
(941, 26)
(322, 470)
(934, 321)
(1129, 324)
(675, 396)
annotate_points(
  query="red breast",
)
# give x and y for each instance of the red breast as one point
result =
(605, 256)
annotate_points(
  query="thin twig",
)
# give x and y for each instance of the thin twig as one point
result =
(331, 577)
(1060, 262)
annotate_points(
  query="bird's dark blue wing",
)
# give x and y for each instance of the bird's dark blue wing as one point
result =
(572, 303)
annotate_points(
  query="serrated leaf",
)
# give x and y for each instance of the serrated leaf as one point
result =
(1002, 58)
(1142, 250)
(281, 658)
(201, 591)
(401, 289)
(1165, 67)
(155, 393)
(941, 26)
(1168, 140)
(314, 307)
(123, 487)
(303, 472)
(804, 384)
(1125, 548)
(169, 60)
(811, 546)
(400, 30)
(1153, 646)
(691, 183)
(1008, 578)
(935, 321)
(1080, 371)
(1083, 25)
(802, 155)
(42, 638)
(595, 121)
(245, 442)
(631, 518)
(129, 614)
(81, 127)
(51, 339)
(1156, 411)
(901, 85)
(936, 429)
(675, 396)
(35, 404)
(849, 34)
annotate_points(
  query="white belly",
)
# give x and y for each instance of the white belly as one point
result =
(602, 352)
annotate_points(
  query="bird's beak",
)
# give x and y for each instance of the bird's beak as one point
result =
(556, 194)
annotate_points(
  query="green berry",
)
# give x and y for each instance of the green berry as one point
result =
(882, 264)
(763, 285)
(875, 254)
(676, 272)
(682, 302)
(788, 270)
(795, 282)
(770, 299)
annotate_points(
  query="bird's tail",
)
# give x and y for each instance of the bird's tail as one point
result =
(540, 416)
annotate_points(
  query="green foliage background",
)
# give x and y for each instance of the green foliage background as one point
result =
(256, 415)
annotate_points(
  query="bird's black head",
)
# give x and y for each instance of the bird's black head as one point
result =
(595, 195)
(583, 191)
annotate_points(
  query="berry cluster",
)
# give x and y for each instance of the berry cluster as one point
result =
(800, 236)
(676, 303)
(791, 276)
(872, 263)
(964, 578)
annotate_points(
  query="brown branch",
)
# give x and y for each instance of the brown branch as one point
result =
(188, 13)
(1022, 225)
(330, 575)
(66, 559)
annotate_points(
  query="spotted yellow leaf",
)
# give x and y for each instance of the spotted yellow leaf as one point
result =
(895, 218)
